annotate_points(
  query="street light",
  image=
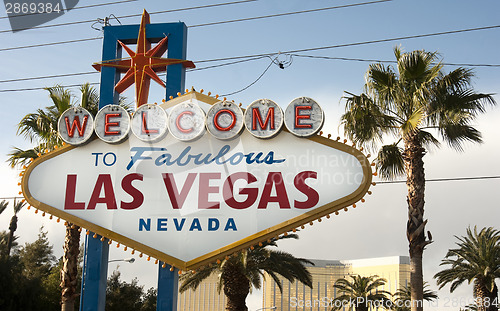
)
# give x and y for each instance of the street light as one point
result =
(271, 308)
(129, 260)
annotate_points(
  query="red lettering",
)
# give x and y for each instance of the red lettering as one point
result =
(76, 124)
(312, 195)
(144, 127)
(103, 182)
(256, 117)
(137, 196)
(274, 179)
(177, 198)
(69, 200)
(299, 117)
(178, 122)
(108, 123)
(251, 193)
(216, 120)
(205, 190)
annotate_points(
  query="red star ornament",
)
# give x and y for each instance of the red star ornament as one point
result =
(143, 64)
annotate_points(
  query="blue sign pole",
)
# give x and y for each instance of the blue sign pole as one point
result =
(93, 295)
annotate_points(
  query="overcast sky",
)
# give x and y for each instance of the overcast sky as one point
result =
(355, 36)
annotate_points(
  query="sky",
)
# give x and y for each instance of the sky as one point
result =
(356, 36)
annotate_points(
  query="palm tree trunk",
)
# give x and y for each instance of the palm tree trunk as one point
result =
(69, 271)
(485, 300)
(12, 229)
(236, 287)
(415, 229)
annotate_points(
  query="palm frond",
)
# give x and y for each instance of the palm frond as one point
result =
(476, 259)
(193, 280)
(18, 205)
(21, 157)
(389, 161)
(458, 134)
(3, 205)
(427, 139)
(364, 121)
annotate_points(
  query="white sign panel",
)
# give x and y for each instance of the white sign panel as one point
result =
(187, 203)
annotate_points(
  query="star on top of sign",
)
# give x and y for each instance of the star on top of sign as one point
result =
(143, 64)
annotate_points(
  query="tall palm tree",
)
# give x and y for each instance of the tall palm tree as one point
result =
(13, 224)
(237, 274)
(360, 292)
(41, 128)
(409, 103)
(3, 240)
(476, 259)
(403, 297)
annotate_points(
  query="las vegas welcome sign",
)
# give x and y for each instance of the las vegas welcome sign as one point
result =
(196, 179)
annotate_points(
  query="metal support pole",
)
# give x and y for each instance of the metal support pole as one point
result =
(97, 252)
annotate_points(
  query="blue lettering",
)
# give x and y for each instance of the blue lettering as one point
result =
(213, 224)
(222, 152)
(97, 154)
(178, 226)
(182, 155)
(138, 154)
(230, 225)
(162, 224)
(184, 158)
(164, 159)
(145, 224)
(195, 225)
(269, 159)
(236, 158)
(109, 163)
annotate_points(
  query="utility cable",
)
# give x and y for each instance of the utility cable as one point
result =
(441, 179)
(48, 44)
(137, 15)
(76, 8)
(287, 13)
(252, 59)
(43, 88)
(388, 61)
(382, 182)
(246, 87)
(291, 51)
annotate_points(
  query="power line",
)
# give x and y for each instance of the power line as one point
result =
(288, 13)
(383, 182)
(137, 15)
(393, 39)
(49, 77)
(48, 44)
(76, 8)
(291, 51)
(242, 61)
(43, 88)
(442, 179)
(388, 61)
(96, 72)
(246, 87)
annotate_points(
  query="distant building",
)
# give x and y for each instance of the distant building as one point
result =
(298, 297)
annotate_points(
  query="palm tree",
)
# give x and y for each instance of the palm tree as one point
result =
(403, 297)
(13, 225)
(237, 274)
(360, 292)
(476, 259)
(408, 104)
(41, 128)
